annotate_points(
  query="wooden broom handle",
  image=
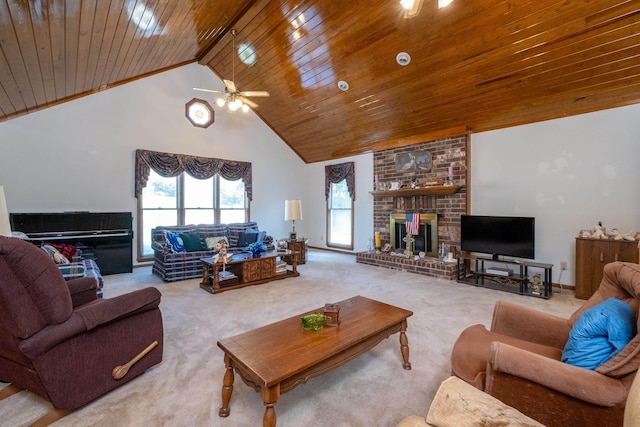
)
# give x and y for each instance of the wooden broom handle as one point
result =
(120, 371)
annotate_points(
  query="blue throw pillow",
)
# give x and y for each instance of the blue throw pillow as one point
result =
(599, 334)
(174, 241)
(261, 234)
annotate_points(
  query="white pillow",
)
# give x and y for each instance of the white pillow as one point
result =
(211, 241)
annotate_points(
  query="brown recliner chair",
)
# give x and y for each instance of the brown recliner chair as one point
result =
(58, 340)
(519, 362)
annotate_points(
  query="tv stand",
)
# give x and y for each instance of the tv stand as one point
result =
(476, 270)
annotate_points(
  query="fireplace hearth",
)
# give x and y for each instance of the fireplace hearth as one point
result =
(426, 241)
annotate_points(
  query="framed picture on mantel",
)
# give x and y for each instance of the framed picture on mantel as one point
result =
(414, 161)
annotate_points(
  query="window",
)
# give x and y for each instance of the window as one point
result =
(186, 200)
(339, 216)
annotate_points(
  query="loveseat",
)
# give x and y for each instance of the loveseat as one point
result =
(173, 264)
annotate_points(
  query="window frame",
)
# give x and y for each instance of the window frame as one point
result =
(181, 211)
(328, 221)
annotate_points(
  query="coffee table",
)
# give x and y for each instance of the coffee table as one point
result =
(276, 358)
(247, 270)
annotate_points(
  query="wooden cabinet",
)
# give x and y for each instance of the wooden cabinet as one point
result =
(591, 257)
(300, 246)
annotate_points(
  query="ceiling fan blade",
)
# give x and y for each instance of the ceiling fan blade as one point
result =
(255, 93)
(231, 86)
(248, 102)
(207, 90)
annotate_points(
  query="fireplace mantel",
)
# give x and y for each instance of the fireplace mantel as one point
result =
(436, 190)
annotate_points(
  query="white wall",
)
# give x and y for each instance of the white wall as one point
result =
(315, 211)
(80, 155)
(568, 173)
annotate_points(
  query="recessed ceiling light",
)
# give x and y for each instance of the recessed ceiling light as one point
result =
(246, 53)
(343, 86)
(403, 58)
(444, 3)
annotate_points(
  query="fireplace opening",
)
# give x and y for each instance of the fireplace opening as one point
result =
(427, 239)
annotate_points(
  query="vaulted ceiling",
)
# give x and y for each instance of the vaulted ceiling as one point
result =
(475, 65)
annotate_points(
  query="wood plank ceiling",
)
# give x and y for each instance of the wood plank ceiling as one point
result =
(475, 65)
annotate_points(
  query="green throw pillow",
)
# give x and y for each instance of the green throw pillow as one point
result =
(191, 242)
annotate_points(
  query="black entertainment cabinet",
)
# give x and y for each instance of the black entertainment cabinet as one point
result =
(105, 237)
(490, 273)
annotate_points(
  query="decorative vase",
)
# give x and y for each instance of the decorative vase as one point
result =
(315, 321)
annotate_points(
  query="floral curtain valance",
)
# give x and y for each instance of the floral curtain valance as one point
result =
(170, 165)
(336, 173)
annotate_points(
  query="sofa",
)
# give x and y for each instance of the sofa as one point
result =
(173, 264)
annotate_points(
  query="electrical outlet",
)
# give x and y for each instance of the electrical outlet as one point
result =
(563, 265)
(321, 238)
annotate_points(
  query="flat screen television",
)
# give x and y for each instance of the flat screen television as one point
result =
(498, 235)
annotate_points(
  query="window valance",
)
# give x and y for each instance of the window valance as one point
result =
(336, 173)
(170, 165)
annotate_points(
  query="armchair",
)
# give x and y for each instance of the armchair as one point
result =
(518, 360)
(59, 341)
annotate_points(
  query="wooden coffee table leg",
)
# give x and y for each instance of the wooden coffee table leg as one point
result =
(270, 397)
(227, 387)
(404, 345)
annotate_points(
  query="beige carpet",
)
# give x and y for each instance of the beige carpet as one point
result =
(372, 390)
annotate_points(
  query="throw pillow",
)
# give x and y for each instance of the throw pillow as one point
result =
(191, 242)
(245, 239)
(261, 234)
(599, 334)
(55, 254)
(174, 241)
(211, 241)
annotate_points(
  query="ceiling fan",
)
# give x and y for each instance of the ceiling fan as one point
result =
(233, 97)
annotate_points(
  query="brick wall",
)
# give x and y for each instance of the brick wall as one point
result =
(444, 153)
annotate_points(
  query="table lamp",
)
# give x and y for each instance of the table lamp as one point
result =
(292, 212)
(5, 226)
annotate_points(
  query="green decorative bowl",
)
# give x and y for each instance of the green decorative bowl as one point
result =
(315, 321)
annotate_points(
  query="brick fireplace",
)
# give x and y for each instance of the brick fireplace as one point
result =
(416, 167)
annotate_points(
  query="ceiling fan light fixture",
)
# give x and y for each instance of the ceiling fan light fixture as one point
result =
(232, 96)
(234, 105)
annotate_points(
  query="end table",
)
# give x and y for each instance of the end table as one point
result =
(300, 246)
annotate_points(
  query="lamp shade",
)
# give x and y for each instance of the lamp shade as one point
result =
(292, 210)
(5, 227)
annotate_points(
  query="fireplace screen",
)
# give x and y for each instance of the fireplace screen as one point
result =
(426, 241)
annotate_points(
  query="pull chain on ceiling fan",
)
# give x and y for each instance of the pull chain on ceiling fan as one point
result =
(233, 98)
